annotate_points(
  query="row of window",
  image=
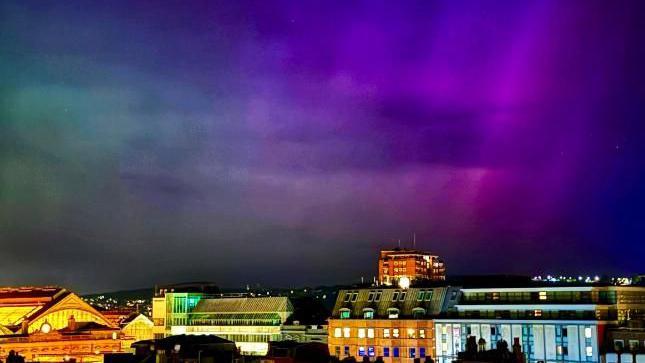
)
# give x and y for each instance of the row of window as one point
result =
(386, 333)
(375, 296)
(607, 314)
(392, 313)
(371, 351)
(596, 297)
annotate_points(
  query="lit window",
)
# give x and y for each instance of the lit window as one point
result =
(361, 351)
(444, 347)
(370, 351)
(345, 314)
(338, 332)
(370, 333)
(393, 313)
(542, 295)
(361, 333)
(422, 333)
(346, 332)
(444, 329)
(589, 351)
(587, 332)
(537, 313)
(395, 333)
(368, 314)
(411, 333)
(386, 333)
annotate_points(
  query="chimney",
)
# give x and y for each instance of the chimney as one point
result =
(71, 323)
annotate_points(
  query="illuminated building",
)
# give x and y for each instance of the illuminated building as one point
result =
(395, 324)
(552, 323)
(251, 322)
(51, 324)
(399, 263)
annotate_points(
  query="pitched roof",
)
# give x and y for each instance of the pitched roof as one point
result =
(244, 305)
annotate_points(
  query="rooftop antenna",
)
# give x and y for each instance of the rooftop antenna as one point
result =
(399, 243)
(414, 240)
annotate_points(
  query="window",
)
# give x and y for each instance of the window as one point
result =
(418, 313)
(346, 332)
(402, 296)
(377, 298)
(386, 352)
(370, 296)
(395, 352)
(422, 333)
(395, 296)
(542, 295)
(619, 344)
(587, 332)
(361, 333)
(493, 331)
(564, 332)
(370, 333)
(420, 296)
(368, 313)
(348, 296)
(370, 351)
(361, 351)
(395, 333)
(392, 313)
(537, 313)
(633, 345)
(338, 332)
(354, 297)
(413, 352)
(386, 333)
(589, 351)
(428, 296)
(345, 314)
(337, 350)
(422, 352)
(444, 347)
(411, 333)
(347, 351)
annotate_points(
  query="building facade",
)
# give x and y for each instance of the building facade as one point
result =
(398, 263)
(564, 324)
(251, 322)
(395, 324)
(51, 324)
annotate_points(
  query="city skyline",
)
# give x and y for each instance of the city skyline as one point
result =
(284, 143)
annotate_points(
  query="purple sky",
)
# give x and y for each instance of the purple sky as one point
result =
(282, 143)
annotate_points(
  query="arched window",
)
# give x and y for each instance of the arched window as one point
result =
(393, 313)
(368, 313)
(345, 313)
(418, 313)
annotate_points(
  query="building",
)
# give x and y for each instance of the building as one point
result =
(395, 324)
(181, 349)
(555, 323)
(304, 333)
(251, 322)
(410, 264)
(626, 341)
(51, 324)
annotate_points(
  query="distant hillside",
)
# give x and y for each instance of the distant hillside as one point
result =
(138, 294)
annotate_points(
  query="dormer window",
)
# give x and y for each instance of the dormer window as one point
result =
(377, 297)
(368, 313)
(393, 313)
(345, 313)
(418, 313)
(370, 297)
(355, 297)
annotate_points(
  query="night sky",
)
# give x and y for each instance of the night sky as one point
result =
(283, 143)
